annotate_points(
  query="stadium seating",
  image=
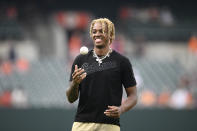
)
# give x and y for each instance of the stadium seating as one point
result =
(47, 79)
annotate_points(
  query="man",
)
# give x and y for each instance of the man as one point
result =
(98, 77)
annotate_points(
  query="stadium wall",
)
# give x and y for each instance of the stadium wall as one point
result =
(61, 120)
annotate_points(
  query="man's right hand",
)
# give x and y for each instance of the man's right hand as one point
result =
(78, 75)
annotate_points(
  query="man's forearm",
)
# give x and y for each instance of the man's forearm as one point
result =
(129, 103)
(73, 92)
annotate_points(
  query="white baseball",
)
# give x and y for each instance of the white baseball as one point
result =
(83, 50)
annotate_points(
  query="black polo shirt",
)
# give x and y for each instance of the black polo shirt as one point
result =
(103, 86)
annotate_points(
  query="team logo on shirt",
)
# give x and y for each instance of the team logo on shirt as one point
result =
(94, 67)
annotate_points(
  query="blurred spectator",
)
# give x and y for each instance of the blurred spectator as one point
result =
(148, 98)
(182, 96)
(72, 20)
(139, 46)
(19, 98)
(143, 15)
(82, 20)
(193, 44)
(6, 68)
(125, 12)
(11, 12)
(12, 53)
(166, 17)
(164, 99)
(154, 13)
(74, 45)
(5, 98)
(22, 65)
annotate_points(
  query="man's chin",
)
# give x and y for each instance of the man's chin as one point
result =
(100, 46)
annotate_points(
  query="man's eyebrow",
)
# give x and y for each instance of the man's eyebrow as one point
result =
(96, 29)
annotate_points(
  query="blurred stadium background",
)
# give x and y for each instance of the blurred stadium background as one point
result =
(40, 38)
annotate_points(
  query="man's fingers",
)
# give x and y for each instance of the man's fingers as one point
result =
(112, 109)
(83, 75)
(75, 71)
(78, 73)
(114, 115)
(76, 67)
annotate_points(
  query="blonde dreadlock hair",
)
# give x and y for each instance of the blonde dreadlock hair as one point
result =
(105, 22)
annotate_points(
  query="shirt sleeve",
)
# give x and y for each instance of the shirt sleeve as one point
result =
(76, 62)
(128, 78)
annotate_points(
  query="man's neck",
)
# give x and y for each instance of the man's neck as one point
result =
(102, 51)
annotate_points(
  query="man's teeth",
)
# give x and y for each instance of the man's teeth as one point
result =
(98, 40)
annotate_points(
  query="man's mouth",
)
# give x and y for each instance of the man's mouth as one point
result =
(98, 40)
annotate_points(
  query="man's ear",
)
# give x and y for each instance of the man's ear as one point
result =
(110, 41)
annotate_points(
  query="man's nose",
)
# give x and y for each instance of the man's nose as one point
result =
(97, 33)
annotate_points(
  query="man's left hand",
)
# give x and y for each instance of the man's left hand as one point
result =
(113, 111)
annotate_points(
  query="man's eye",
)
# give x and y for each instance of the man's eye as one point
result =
(105, 31)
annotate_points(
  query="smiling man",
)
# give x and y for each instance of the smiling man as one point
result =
(97, 79)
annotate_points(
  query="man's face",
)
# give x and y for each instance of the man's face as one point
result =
(100, 37)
